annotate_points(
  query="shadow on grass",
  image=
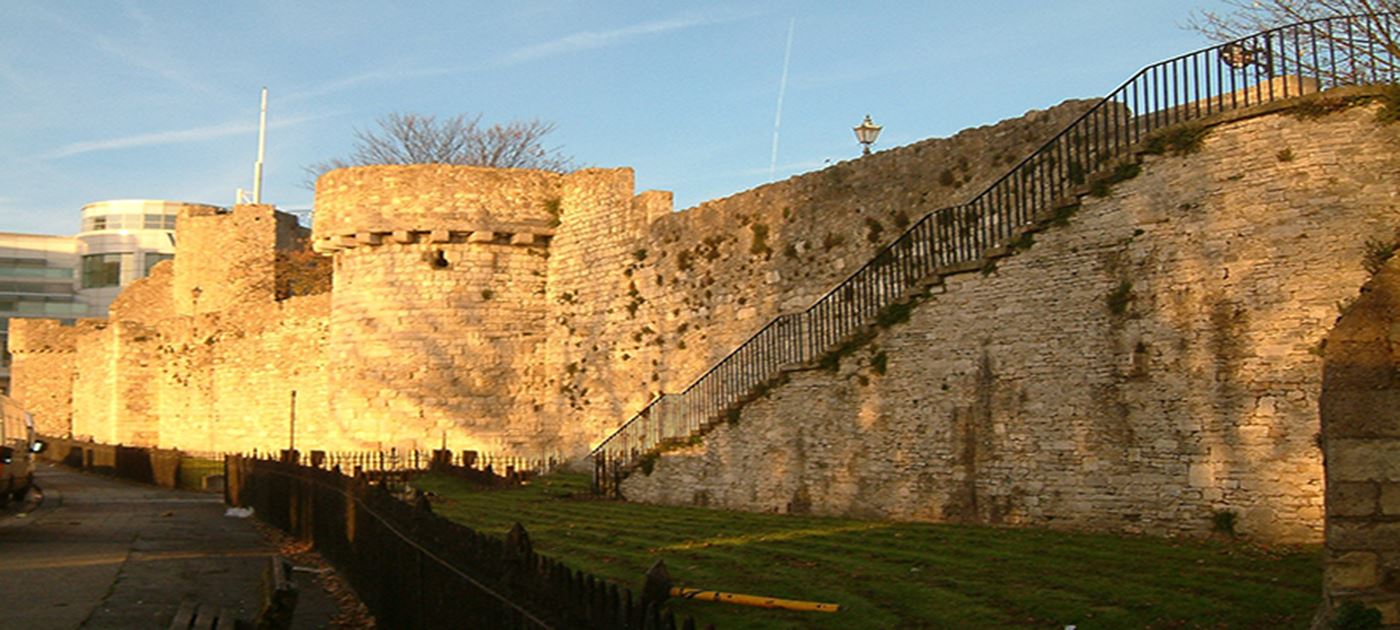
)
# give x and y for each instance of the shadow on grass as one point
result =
(901, 575)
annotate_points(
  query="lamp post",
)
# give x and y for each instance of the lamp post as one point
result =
(866, 133)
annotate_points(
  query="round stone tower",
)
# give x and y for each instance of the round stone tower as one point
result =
(438, 306)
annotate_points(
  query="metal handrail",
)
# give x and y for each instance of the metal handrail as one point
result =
(1281, 63)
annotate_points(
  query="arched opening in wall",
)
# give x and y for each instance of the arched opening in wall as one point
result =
(436, 259)
(1360, 418)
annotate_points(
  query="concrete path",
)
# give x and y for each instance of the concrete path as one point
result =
(106, 553)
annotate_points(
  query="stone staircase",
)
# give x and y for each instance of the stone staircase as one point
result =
(1164, 108)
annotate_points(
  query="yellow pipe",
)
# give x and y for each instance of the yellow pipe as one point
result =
(752, 600)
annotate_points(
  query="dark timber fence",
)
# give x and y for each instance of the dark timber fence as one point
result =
(168, 468)
(1283, 63)
(414, 569)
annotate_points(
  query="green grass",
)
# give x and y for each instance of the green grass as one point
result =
(900, 575)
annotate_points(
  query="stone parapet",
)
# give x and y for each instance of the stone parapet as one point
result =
(425, 198)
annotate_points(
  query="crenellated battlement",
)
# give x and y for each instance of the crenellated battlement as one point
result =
(361, 205)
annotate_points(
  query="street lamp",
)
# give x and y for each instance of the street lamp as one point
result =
(866, 133)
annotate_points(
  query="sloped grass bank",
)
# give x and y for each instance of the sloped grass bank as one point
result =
(901, 575)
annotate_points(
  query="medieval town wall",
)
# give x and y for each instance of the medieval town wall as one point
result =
(438, 304)
(643, 300)
(44, 352)
(166, 369)
(1143, 368)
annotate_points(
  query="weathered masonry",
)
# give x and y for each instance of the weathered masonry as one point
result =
(1153, 361)
(1147, 358)
(503, 310)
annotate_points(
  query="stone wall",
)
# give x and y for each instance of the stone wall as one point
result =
(1145, 368)
(209, 370)
(1361, 436)
(47, 364)
(438, 303)
(227, 258)
(644, 300)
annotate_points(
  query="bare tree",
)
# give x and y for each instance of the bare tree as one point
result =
(418, 139)
(1352, 40)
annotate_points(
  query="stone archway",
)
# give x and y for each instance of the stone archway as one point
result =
(1360, 414)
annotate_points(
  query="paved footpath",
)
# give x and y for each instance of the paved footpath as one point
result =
(107, 553)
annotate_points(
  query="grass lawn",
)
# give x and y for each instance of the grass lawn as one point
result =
(900, 575)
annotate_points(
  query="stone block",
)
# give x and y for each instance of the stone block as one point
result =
(1361, 412)
(522, 238)
(481, 236)
(440, 236)
(1363, 536)
(369, 238)
(1200, 476)
(1354, 570)
(1363, 460)
(1351, 498)
(1390, 499)
(346, 240)
(1358, 366)
(403, 237)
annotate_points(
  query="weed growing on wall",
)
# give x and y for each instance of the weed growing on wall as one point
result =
(1062, 215)
(1178, 140)
(1390, 105)
(880, 362)
(759, 247)
(1024, 240)
(1223, 522)
(554, 207)
(873, 230)
(831, 361)
(896, 313)
(1378, 252)
(301, 271)
(1119, 298)
(1103, 185)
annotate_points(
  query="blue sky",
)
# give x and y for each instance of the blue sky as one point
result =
(115, 100)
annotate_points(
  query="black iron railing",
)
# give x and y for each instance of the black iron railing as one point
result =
(1283, 63)
(415, 569)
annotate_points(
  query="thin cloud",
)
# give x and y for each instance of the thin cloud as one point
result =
(364, 78)
(178, 136)
(588, 40)
(124, 53)
(585, 40)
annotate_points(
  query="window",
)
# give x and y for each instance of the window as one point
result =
(152, 258)
(102, 270)
(160, 222)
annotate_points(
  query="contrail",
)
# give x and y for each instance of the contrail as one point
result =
(782, 89)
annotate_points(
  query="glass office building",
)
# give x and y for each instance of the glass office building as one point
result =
(71, 277)
(38, 278)
(119, 243)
